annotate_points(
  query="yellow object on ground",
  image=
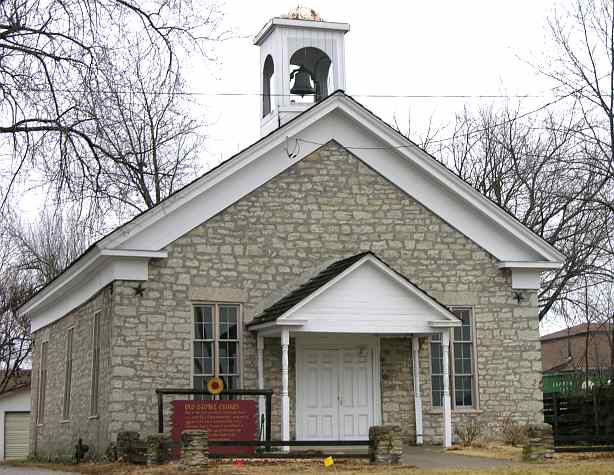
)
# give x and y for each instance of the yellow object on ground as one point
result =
(328, 461)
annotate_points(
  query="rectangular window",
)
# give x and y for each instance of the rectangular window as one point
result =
(216, 344)
(42, 385)
(68, 375)
(462, 377)
(95, 364)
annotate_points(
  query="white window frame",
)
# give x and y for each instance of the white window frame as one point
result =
(216, 340)
(452, 386)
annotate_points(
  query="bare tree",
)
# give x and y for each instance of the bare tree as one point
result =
(54, 54)
(15, 342)
(31, 255)
(583, 33)
(535, 168)
(41, 251)
(149, 130)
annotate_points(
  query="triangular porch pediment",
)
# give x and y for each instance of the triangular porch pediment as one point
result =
(360, 294)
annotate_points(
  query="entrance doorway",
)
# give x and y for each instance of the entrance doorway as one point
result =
(335, 387)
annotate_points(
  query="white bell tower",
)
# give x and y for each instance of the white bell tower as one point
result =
(302, 60)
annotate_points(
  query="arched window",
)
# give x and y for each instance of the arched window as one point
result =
(267, 74)
(317, 64)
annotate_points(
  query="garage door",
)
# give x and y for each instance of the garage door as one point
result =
(16, 435)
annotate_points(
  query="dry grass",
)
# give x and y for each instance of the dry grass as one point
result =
(347, 468)
(500, 452)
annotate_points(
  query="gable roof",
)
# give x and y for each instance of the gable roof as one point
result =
(334, 274)
(338, 117)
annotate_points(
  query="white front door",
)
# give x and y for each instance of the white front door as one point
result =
(355, 395)
(335, 398)
(321, 401)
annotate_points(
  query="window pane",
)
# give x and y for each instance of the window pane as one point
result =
(437, 398)
(216, 345)
(203, 331)
(231, 382)
(203, 314)
(199, 382)
(463, 360)
(229, 317)
(463, 393)
(228, 349)
(467, 332)
(203, 365)
(437, 370)
(229, 314)
(203, 349)
(224, 366)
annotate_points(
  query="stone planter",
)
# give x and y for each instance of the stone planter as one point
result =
(194, 450)
(540, 443)
(385, 445)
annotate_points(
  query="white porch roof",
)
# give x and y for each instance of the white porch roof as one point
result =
(360, 294)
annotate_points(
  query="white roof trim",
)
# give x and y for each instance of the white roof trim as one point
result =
(352, 109)
(321, 25)
(449, 319)
(453, 182)
(99, 265)
(110, 246)
(539, 265)
(210, 179)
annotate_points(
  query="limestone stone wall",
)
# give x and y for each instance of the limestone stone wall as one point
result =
(326, 207)
(397, 386)
(56, 438)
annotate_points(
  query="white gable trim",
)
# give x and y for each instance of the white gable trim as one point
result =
(336, 118)
(132, 235)
(93, 272)
(451, 181)
(440, 316)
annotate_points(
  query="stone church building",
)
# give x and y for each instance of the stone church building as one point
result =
(332, 261)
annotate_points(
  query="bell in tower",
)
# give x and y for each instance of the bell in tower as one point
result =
(302, 60)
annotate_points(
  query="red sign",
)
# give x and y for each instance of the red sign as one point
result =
(224, 420)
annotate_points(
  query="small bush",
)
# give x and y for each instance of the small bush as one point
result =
(514, 433)
(468, 433)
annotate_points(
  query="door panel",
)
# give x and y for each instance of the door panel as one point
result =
(319, 384)
(336, 393)
(356, 398)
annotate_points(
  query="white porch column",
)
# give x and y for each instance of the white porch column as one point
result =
(260, 364)
(447, 409)
(285, 399)
(415, 346)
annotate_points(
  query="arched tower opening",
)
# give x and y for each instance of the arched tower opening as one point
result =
(309, 76)
(267, 81)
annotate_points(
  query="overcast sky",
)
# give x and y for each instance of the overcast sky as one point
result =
(438, 47)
